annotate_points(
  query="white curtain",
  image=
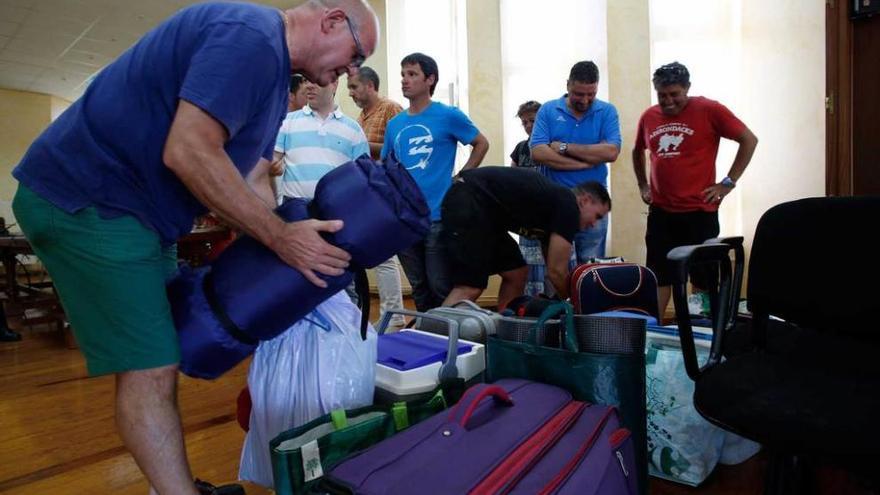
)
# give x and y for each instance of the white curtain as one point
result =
(438, 29)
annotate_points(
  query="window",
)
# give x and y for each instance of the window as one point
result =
(538, 48)
(438, 29)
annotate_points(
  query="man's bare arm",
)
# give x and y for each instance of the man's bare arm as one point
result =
(638, 157)
(558, 254)
(194, 152)
(478, 152)
(747, 144)
(261, 182)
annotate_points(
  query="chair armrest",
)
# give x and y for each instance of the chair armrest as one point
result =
(682, 258)
(739, 262)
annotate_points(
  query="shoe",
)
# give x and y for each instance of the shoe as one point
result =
(7, 335)
(206, 488)
(698, 304)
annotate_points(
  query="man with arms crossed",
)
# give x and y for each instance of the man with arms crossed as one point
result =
(424, 139)
(573, 138)
(163, 134)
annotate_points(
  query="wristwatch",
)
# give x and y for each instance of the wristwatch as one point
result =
(563, 147)
(728, 182)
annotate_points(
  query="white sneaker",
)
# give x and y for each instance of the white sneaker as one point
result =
(698, 304)
(695, 304)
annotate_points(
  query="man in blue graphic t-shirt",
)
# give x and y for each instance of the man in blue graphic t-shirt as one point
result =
(573, 139)
(424, 138)
(164, 133)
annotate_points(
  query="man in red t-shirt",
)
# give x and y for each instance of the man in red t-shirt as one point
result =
(682, 135)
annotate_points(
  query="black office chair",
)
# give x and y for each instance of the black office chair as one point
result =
(808, 386)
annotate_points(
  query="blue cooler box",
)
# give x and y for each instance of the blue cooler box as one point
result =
(411, 363)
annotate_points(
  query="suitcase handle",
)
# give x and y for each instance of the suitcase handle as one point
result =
(470, 304)
(448, 370)
(471, 399)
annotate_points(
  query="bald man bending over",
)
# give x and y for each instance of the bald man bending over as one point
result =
(167, 132)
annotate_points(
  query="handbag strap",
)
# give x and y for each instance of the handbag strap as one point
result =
(221, 314)
(362, 288)
(568, 334)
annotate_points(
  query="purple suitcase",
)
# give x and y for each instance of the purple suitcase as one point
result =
(514, 436)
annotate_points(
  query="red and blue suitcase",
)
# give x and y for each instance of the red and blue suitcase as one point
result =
(514, 436)
(598, 287)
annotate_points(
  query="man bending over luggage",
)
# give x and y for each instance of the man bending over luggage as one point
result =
(485, 204)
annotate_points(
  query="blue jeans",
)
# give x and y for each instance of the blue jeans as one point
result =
(590, 242)
(531, 251)
(425, 266)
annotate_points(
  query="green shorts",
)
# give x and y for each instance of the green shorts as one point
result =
(110, 275)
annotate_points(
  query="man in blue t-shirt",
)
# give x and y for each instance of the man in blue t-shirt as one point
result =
(164, 133)
(573, 139)
(424, 138)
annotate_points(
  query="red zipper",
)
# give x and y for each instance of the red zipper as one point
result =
(618, 437)
(505, 476)
(579, 455)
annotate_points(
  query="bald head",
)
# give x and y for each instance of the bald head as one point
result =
(363, 19)
(331, 37)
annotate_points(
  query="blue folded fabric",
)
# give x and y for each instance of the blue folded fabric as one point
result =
(381, 205)
(249, 294)
(410, 350)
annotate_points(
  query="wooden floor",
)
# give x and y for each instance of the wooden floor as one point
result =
(58, 437)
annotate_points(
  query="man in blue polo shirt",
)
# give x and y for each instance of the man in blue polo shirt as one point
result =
(573, 139)
(424, 138)
(163, 134)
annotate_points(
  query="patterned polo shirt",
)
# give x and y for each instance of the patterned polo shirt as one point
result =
(313, 146)
(374, 121)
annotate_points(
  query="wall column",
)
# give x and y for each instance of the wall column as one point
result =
(629, 89)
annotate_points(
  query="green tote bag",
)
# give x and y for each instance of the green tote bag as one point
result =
(300, 456)
(608, 377)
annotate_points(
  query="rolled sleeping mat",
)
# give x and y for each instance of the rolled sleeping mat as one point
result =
(248, 294)
(382, 206)
(207, 348)
(261, 294)
(211, 342)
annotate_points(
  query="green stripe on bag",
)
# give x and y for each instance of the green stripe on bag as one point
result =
(338, 418)
(339, 435)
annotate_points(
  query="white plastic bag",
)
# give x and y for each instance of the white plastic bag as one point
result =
(682, 445)
(318, 365)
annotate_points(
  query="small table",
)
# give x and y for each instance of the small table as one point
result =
(10, 247)
(31, 295)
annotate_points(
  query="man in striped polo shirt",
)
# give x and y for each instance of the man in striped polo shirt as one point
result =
(313, 141)
(316, 139)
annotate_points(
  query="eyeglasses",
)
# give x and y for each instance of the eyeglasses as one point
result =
(360, 55)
